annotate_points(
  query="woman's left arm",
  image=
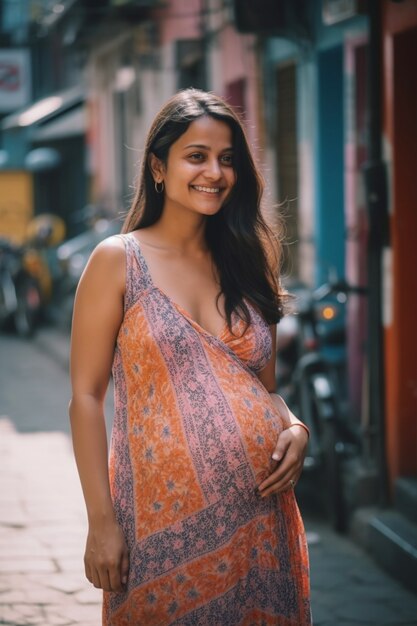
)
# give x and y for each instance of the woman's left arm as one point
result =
(291, 446)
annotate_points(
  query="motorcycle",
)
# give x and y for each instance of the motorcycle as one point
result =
(311, 376)
(20, 292)
(27, 274)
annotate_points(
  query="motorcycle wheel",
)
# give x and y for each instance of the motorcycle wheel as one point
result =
(324, 416)
(335, 498)
(7, 298)
(28, 307)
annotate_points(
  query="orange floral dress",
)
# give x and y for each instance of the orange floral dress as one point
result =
(193, 434)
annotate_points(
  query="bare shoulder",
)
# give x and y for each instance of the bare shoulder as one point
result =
(113, 247)
(108, 261)
(109, 251)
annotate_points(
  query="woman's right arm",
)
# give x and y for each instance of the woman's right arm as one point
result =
(98, 313)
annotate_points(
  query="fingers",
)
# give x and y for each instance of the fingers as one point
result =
(115, 581)
(106, 579)
(279, 480)
(109, 577)
(289, 481)
(118, 573)
(106, 558)
(124, 570)
(276, 483)
(281, 448)
(95, 578)
(289, 454)
(87, 569)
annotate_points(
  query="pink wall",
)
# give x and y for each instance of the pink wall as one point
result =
(180, 19)
(238, 62)
(355, 214)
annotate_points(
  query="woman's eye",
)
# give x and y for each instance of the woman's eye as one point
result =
(227, 159)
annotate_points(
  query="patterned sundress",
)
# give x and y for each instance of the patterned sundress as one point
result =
(193, 434)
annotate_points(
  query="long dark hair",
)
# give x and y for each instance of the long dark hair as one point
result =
(241, 243)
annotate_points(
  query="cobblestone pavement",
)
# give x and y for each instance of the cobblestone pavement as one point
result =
(43, 523)
(42, 533)
(349, 589)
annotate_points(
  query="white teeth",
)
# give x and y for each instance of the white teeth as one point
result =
(208, 189)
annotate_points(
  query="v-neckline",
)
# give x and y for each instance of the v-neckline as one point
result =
(181, 310)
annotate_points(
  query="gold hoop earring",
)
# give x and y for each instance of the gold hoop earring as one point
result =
(161, 188)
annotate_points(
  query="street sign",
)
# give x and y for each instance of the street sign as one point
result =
(15, 82)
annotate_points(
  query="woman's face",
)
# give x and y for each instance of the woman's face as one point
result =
(199, 173)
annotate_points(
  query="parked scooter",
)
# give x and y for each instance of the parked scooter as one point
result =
(44, 234)
(27, 275)
(311, 375)
(20, 292)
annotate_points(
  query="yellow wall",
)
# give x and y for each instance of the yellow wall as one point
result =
(16, 204)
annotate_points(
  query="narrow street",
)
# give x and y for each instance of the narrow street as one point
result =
(42, 520)
(43, 525)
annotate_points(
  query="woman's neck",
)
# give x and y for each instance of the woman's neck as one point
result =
(183, 232)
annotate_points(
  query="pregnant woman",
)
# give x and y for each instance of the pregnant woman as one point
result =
(192, 518)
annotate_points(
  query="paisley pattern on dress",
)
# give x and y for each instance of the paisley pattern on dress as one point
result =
(193, 434)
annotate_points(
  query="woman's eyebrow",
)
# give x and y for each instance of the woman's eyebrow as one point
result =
(203, 147)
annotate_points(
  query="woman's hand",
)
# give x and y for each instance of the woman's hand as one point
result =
(106, 557)
(289, 455)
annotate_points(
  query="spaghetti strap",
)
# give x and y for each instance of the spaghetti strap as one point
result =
(137, 276)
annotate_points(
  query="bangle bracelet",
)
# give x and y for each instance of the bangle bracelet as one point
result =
(302, 426)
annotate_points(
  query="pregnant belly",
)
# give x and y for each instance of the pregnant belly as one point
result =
(173, 463)
(259, 424)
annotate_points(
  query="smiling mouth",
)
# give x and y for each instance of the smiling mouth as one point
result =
(212, 190)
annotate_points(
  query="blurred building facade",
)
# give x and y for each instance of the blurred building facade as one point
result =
(298, 71)
(132, 74)
(46, 138)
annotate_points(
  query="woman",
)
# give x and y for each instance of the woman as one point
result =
(195, 521)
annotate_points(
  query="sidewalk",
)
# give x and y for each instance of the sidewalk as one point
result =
(42, 533)
(349, 589)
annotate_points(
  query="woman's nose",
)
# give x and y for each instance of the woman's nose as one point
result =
(213, 169)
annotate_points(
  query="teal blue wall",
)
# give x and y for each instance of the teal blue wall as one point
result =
(320, 129)
(329, 223)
